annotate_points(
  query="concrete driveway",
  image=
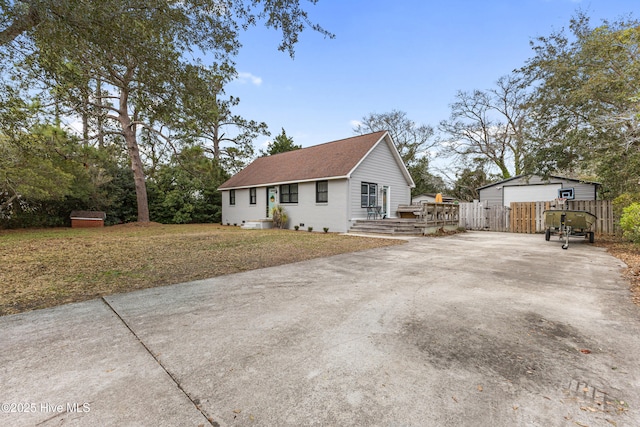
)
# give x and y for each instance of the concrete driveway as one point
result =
(474, 329)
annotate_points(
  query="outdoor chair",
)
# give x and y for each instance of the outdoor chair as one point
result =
(374, 211)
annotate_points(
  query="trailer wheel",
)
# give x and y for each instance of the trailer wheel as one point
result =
(547, 234)
(592, 236)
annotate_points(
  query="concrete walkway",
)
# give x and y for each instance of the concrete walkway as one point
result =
(469, 330)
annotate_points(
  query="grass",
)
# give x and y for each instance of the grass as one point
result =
(44, 268)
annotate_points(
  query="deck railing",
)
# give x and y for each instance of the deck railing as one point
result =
(432, 214)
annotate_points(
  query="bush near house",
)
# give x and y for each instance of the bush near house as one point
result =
(630, 222)
(279, 216)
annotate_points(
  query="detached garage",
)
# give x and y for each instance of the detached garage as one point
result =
(534, 188)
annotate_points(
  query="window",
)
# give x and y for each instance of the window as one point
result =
(289, 193)
(322, 191)
(232, 197)
(368, 193)
(252, 196)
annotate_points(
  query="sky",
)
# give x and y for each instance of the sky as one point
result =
(408, 55)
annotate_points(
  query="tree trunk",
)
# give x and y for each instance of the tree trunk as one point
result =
(85, 118)
(216, 143)
(129, 134)
(100, 117)
(138, 174)
(21, 23)
(504, 170)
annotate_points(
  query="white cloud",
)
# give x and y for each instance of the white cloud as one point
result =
(355, 123)
(249, 78)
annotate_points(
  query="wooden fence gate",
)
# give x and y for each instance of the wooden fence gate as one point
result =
(477, 216)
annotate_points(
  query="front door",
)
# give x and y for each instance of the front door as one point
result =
(384, 201)
(272, 195)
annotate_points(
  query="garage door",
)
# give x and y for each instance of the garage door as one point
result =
(531, 193)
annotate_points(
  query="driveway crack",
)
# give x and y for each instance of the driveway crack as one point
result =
(195, 402)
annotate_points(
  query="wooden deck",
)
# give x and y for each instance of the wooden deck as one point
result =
(399, 226)
(414, 220)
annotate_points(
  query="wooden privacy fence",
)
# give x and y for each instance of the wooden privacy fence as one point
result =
(528, 217)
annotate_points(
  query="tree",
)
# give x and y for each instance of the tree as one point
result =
(425, 181)
(136, 69)
(280, 144)
(413, 141)
(44, 174)
(33, 170)
(185, 190)
(585, 112)
(469, 179)
(205, 117)
(204, 22)
(137, 48)
(490, 125)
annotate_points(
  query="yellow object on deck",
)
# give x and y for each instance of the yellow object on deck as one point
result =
(438, 198)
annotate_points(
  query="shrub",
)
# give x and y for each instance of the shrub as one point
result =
(297, 227)
(326, 229)
(309, 229)
(630, 222)
(624, 200)
(279, 216)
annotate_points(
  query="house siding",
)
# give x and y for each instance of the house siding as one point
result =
(494, 195)
(379, 167)
(243, 210)
(420, 199)
(332, 214)
(491, 196)
(583, 191)
(319, 215)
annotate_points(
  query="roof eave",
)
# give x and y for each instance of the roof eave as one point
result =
(533, 174)
(271, 184)
(394, 153)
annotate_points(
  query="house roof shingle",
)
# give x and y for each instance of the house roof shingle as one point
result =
(329, 160)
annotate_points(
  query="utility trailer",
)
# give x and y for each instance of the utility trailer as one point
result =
(569, 223)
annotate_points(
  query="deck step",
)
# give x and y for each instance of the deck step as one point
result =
(407, 227)
(257, 224)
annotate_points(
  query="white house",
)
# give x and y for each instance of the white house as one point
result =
(534, 188)
(327, 185)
